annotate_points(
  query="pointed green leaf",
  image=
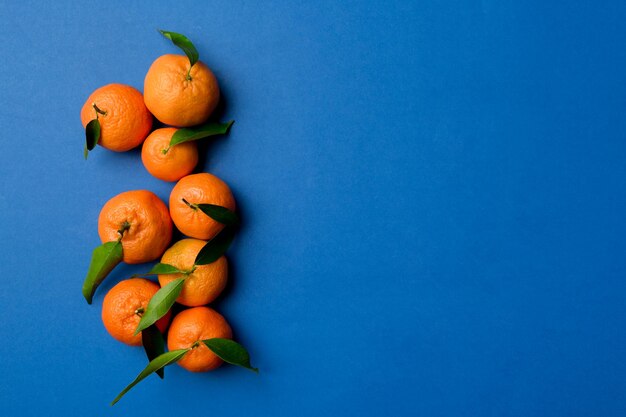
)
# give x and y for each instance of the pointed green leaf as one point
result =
(183, 43)
(161, 269)
(153, 344)
(104, 258)
(159, 362)
(160, 303)
(200, 132)
(92, 135)
(219, 214)
(231, 352)
(215, 247)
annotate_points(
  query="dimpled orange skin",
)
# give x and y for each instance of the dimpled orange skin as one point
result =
(120, 307)
(178, 161)
(175, 100)
(196, 189)
(150, 225)
(190, 326)
(127, 121)
(205, 283)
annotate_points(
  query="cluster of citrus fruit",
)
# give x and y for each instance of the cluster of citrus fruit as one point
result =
(136, 226)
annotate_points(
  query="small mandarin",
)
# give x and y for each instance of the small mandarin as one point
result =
(192, 326)
(126, 120)
(143, 220)
(123, 306)
(168, 163)
(197, 189)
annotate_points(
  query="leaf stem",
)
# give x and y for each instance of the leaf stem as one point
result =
(189, 272)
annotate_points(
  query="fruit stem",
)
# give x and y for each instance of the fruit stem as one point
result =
(188, 77)
(166, 150)
(125, 226)
(98, 110)
(195, 344)
(189, 272)
(193, 206)
(139, 311)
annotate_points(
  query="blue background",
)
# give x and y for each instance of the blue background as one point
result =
(433, 195)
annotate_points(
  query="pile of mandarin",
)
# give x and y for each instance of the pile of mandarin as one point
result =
(136, 226)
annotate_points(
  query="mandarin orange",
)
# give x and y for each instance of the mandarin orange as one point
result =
(195, 189)
(177, 96)
(168, 163)
(126, 120)
(143, 221)
(123, 306)
(189, 328)
(205, 283)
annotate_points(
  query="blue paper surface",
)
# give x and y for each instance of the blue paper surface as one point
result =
(433, 197)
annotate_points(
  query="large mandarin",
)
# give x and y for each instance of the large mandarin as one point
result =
(177, 96)
(143, 221)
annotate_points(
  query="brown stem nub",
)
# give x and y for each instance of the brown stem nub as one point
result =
(124, 227)
(98, 110)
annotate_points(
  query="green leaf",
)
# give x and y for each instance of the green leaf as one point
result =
(215, 247)
(219, 213)
(200, 132)
(231, 352)
(160, 303)
(183, 43)
(104, 258)
(92, 135)
(161, 269)
(153, 344)
(157, 363)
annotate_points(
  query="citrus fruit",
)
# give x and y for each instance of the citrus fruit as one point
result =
(177, 96)
(190, 327)
(205, 283)
(168, 163)
(142, 219)
(126, 120)
(196, 189)
(123, 306)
